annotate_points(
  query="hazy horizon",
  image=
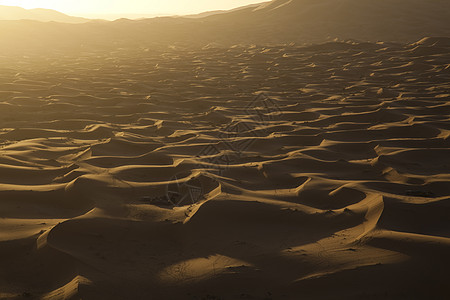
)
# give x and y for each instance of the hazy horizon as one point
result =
(129, 9)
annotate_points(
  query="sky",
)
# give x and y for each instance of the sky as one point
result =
(127, 7)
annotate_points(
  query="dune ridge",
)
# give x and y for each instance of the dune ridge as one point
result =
(275, 22)
(37, 14)
(296, 171)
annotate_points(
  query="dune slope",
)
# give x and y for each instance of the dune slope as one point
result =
(37, 14)
(280, 172)
(276, 22)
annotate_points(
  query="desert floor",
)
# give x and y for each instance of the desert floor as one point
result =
(279, 172)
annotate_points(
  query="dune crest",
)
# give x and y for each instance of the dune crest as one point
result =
(37, 14)
(226, 173)
(275, 22)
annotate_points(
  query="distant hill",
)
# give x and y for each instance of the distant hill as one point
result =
(275, 22)
(319, 20)
(217, 12)
(37, 14)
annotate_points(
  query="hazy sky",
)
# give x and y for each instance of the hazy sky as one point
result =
(75, 7)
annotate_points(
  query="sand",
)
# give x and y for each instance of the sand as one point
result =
(273, 23)
(37, 14)
(245, 172)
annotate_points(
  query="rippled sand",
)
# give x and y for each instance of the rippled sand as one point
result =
(285, 172)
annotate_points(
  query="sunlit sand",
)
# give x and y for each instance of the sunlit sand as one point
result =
(219, 170)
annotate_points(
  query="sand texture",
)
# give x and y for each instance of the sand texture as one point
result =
(252, 172)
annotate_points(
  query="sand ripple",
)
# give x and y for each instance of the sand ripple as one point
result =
(258, 172)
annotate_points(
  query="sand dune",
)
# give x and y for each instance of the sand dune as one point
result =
(276, 22)
(37, 14)
(297, 172)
